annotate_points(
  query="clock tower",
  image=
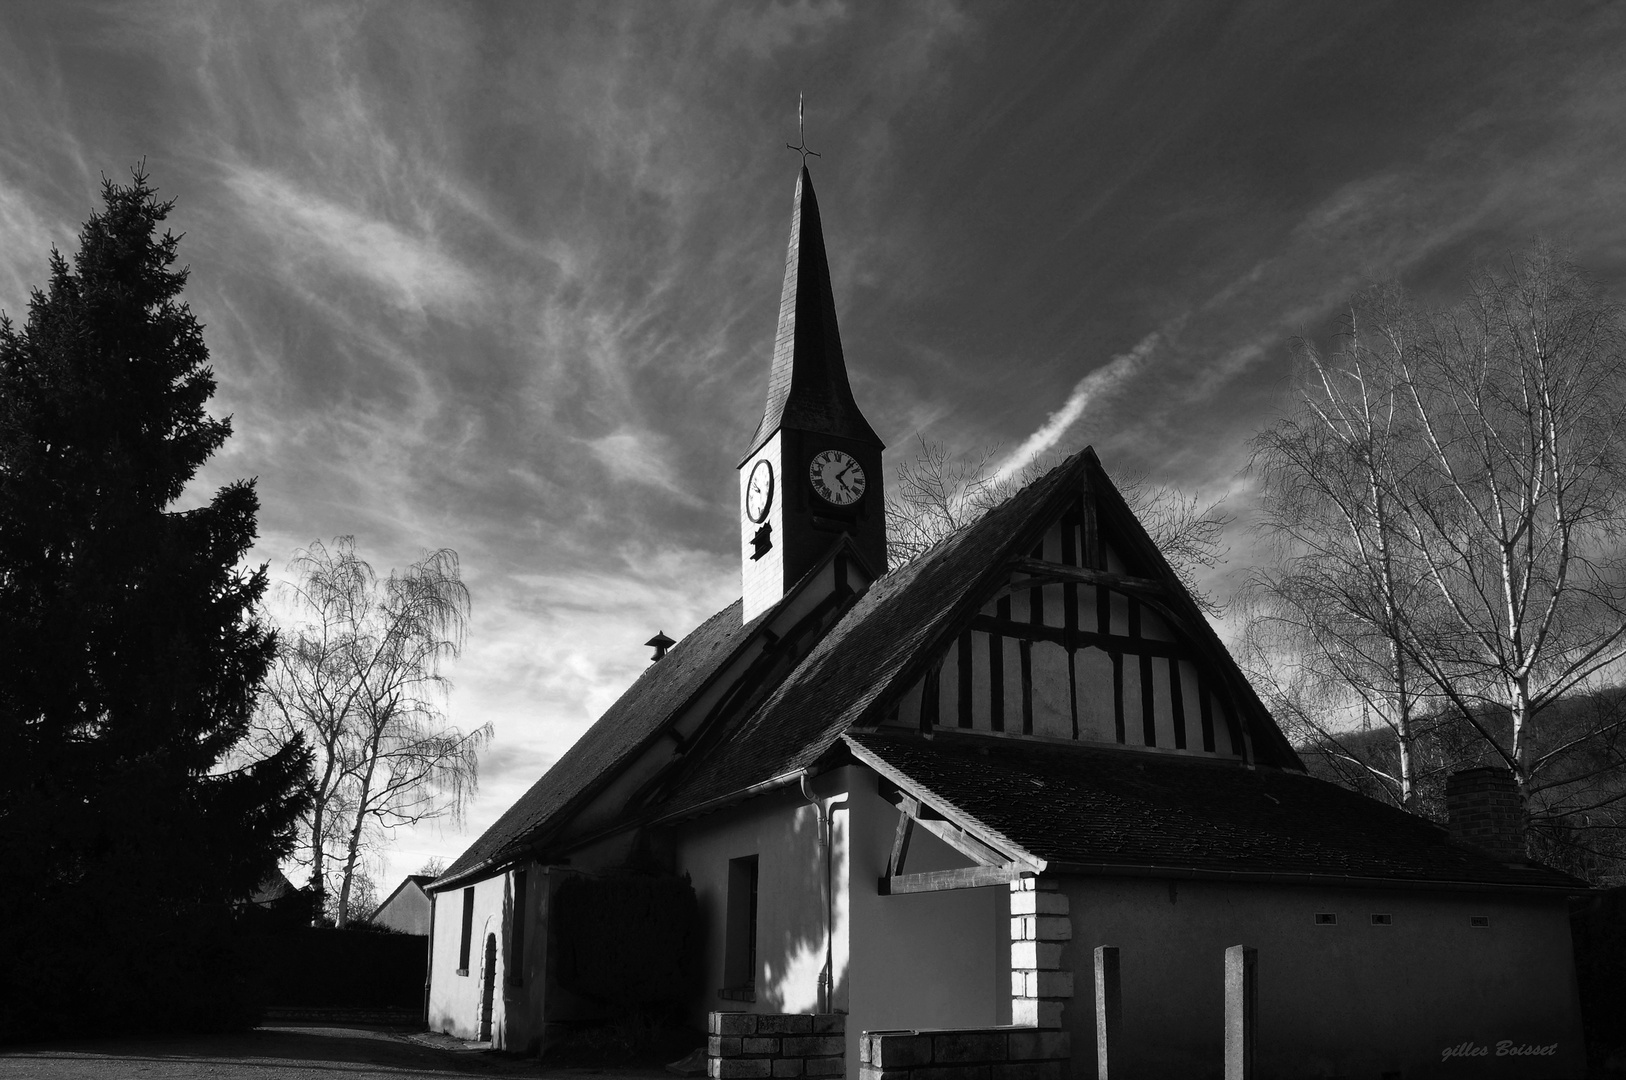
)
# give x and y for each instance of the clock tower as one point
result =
(812, 471)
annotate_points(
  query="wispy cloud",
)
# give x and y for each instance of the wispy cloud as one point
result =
(320, 237)
(772, 27)
(28, 240)
(1089, 390)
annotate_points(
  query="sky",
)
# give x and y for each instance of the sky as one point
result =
(504, 278)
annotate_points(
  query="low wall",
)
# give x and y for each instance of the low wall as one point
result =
(993, 1053)
(758, 1045)
(317, 966)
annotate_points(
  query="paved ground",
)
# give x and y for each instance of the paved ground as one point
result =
(287, 1052)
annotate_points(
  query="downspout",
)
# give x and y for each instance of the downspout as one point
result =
(825, 813)
(429, 964)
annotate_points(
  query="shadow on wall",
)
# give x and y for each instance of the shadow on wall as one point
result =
(792, 970)
(1598, 928)
(491, 997)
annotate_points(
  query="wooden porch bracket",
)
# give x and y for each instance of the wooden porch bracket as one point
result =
(994, 867)
(971, 877)
(900, 843)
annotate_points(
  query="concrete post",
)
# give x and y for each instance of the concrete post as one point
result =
(1241, 1010)
(1108, 1008)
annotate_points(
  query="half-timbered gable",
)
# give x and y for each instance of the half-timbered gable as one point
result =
(1084, 636)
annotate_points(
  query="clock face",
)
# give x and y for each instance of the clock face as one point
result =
(837, 477)
(759, 492)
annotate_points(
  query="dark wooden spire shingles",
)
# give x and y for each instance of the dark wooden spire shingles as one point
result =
(807, 387)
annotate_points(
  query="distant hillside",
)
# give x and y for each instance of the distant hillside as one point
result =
(1578, 797)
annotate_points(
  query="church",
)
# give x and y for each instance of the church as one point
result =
(1008, 811)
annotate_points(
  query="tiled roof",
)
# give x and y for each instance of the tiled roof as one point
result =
(874, 651)
(807, 385)
(638, 715)
(1099, 810)
(875, 646)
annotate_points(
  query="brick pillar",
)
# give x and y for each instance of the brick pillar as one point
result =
(1040, 930)
(1484, 809)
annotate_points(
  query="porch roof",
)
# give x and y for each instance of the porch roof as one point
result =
(1111, 811)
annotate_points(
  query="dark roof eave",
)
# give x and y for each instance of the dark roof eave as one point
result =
(478, 872)
(509, 858)
(1301, 877)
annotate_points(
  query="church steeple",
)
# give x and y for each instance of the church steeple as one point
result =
(807, 386)
(812, 470)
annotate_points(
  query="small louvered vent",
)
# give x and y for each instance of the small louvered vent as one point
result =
(1479, 920)
(1382, 919)
(1326, 918)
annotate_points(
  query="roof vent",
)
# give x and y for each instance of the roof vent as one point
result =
(660, 643)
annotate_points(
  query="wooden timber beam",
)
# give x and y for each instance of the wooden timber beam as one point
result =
(962, 841)
(972, 877)
(1150, 591)
(1074, 639)
(911, 812)
(900, 844)
(1052, 572)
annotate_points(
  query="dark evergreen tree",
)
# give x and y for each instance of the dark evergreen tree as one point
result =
(130, 655)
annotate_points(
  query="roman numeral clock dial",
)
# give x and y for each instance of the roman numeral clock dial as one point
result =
(837, 477)
(759, 492)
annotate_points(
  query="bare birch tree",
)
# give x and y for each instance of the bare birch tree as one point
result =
(406, 765)
(312, 690)
(1448, 501)
(361, 675)
(1328, 608)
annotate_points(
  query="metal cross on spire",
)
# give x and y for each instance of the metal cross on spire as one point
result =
(801, 132)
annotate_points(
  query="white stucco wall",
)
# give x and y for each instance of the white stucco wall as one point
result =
(934, 960)
(1348, 1000)
(781, 829)
(454, 999)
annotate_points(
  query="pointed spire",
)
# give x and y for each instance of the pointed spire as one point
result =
(808, 388)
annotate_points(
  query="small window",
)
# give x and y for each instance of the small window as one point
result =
(468, 931)
(1479, 920)
(516, 940)
(740, 946)
(1326, 918)
(1382, 919)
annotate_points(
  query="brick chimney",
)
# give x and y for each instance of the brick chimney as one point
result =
(1484, 809)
